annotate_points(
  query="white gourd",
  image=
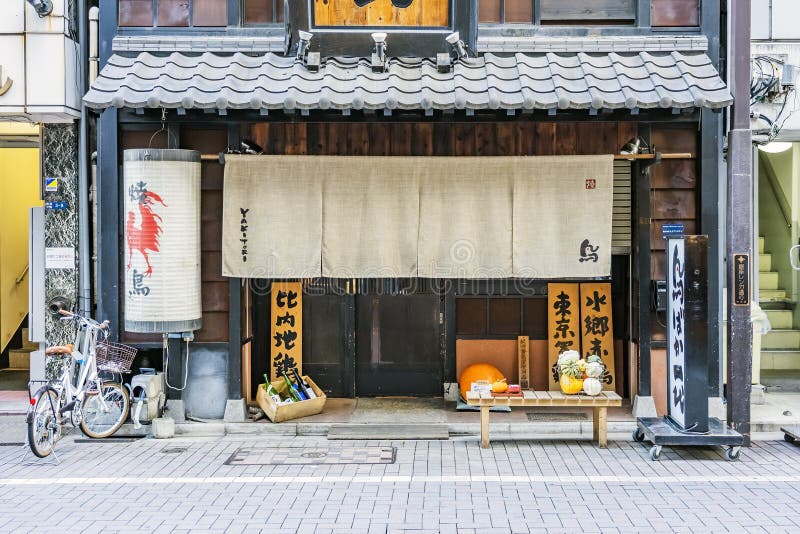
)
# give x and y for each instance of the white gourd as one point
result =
(592, 386)
(594, 370)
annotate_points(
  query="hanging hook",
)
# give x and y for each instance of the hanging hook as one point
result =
(163, 129)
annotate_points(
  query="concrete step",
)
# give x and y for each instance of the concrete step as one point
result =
(776, 304)
(771, 295)
(781, 340)
(764, 262)
(26, 344)
(780, 319)
(19, 358)
(780, 360)
(761, 245)
(767, 280)
(784, 381)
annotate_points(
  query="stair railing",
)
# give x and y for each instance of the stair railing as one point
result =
(18, 280)
(783, 204)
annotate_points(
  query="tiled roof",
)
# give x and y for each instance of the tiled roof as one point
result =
(517, 81)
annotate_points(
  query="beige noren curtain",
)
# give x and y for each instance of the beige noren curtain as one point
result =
(441, 217)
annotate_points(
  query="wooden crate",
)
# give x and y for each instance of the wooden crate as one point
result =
(284, 412)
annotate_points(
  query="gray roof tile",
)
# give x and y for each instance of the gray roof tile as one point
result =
(542, 80)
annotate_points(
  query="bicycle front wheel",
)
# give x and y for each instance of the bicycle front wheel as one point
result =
(44, 427)
(105, 411)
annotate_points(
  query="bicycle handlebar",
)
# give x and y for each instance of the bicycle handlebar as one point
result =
(88, 321)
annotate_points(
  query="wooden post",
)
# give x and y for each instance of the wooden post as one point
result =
(484, 427)
(600, 426)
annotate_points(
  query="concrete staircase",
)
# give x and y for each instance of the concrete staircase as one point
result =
(21, 358)
(780, 348)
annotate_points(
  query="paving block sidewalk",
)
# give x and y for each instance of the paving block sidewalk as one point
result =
(183, 485)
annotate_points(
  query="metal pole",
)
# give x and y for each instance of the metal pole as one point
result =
(739, 248)
(84, 259)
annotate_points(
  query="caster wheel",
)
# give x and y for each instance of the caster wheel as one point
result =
(638, 436)
(732, 454)
(788, 438)
(655, 453)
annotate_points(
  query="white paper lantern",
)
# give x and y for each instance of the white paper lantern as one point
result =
(162, 240)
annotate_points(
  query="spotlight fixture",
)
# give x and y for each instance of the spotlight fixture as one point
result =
(635, 146)
(458, 46)
(379, 55)
(305, 43)
(42, 7)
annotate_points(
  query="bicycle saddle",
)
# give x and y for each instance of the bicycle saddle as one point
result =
(59, 349)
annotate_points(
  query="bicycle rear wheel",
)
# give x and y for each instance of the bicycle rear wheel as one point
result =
(105, 411)
(44, 427)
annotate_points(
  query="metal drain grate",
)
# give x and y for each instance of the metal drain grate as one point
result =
(106, 440)
(12, 443)
(174, 450)
(556, 417)
(312, 455)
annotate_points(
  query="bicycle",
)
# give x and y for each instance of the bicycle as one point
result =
(96, 404)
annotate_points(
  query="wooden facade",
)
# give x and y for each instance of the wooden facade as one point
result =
(671, 191)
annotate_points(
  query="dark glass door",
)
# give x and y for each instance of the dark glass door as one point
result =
(325, 355)
(398, 345)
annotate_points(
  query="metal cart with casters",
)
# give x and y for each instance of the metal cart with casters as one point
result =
(660, 433)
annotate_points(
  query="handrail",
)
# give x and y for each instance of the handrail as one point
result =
(21, 277)
(777, 192)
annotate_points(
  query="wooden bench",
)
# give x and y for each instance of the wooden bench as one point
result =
(548, 398)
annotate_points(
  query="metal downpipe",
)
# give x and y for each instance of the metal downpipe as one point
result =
(84, 262)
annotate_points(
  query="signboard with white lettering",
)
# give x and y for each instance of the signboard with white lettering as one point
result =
(687, 332)
(676, 312)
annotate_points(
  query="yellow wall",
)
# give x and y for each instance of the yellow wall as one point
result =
(19, 191)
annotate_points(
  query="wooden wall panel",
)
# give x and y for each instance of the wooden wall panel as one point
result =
(672, 204)
(422, 139)
(674, 174)
(673, 198)
(566, 139)
(214, 287)
(474, 138)
(544, 135)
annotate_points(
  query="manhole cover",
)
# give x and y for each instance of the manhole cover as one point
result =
(174, 450)
(311, 455)
(557, 417)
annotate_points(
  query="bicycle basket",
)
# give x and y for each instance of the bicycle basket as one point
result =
(114, 357)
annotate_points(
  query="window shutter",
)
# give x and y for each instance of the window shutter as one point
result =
(621, 224)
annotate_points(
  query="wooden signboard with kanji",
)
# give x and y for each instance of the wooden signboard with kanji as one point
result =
(286, 319)
(523, 361)
(563, 326)
(415, 13)
(597, 329)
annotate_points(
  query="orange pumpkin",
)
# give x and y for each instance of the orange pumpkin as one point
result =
(478, 371)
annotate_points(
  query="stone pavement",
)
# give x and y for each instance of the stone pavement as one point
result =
(183, 485)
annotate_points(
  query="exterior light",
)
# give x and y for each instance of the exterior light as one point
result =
(636, 145)
(379, 55)
(305, 43)
(459, 47)
(775, 147)
(42, 7)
